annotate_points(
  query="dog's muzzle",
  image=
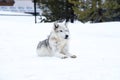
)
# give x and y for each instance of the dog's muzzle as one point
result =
(66, 36)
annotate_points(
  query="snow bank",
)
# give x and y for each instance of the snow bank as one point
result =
(96, 47)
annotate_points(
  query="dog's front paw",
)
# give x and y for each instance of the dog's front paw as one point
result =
(64, 57)
(73, 56)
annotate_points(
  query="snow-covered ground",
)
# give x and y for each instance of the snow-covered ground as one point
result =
(97, 47)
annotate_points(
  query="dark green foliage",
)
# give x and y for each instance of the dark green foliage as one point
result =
(84, 10)
(53, 10)
(97, 10)
(112, 10)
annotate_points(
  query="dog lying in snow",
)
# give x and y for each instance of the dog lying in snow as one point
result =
(57, 43)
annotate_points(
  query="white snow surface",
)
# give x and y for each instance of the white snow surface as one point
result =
(97, 47)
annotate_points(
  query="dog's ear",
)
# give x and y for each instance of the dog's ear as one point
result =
(66, 24)
(56, 25)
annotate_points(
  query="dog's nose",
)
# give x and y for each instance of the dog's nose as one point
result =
(66, 36)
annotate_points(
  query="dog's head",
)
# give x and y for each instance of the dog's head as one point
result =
(61, 30)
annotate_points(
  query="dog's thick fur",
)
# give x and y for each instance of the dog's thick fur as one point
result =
(57, 43)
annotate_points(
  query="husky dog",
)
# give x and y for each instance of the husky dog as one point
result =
(57, 43)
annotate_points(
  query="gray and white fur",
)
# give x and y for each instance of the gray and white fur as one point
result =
(57, 44)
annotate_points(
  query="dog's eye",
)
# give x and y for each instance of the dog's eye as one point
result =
(61, 31)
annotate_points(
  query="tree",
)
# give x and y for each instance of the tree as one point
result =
(84, 10)
(96, 10)
(87, 10)
(55, 10)
(112, 10)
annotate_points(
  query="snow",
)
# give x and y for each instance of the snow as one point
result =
(13, 13)
(96, 46)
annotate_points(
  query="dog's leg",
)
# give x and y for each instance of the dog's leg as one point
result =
(69, 55)
(65, 51)
(60, 55)
(55, 50)
(57, 53)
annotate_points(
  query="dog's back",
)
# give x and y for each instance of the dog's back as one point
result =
(43, 48)
(44, 43)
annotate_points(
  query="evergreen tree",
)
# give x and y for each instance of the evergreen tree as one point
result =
(87, 10)
(97, 10)
(112, 10)
(55, 10)
(84, 10)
